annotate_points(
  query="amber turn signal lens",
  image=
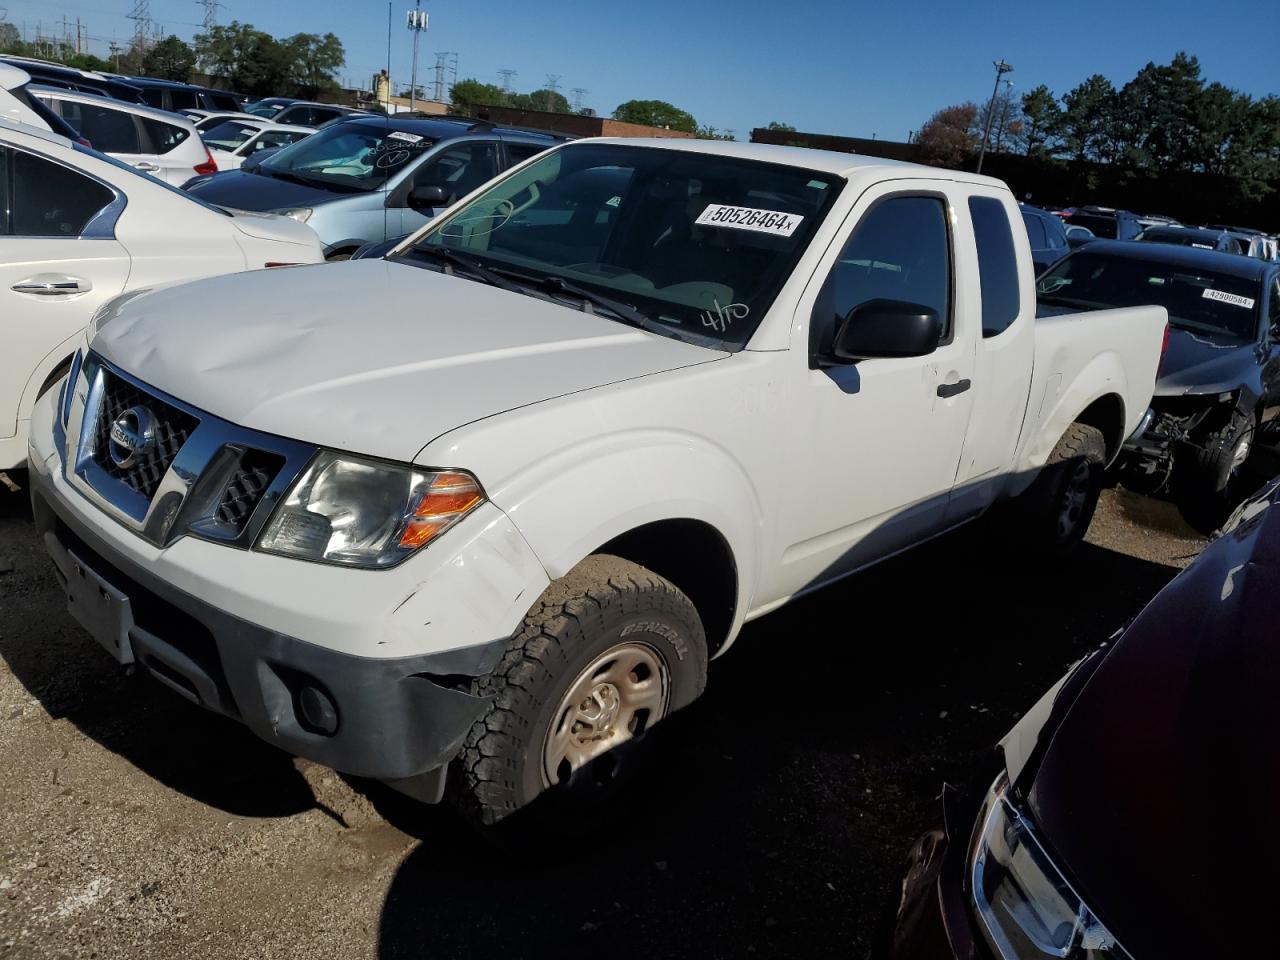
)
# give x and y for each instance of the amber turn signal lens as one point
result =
(449, 496)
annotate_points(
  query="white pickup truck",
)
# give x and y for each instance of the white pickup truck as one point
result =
(481, 511)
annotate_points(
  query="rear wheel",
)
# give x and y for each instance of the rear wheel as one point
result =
(1059, 506)
(610, 650)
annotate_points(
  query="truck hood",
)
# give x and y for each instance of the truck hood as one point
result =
(1193, 364)
(371, 356)
(237, 190)
(1159, 789)
(266, 226)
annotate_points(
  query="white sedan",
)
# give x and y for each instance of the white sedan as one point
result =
(233, 141)
(82, 228)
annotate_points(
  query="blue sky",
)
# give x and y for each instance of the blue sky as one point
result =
(849, 67)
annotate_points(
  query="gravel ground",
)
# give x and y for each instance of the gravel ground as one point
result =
(135, 825)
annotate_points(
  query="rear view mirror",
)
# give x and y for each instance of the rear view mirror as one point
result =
(427, 197)
(887, 328)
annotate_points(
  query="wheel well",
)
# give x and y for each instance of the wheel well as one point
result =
(1107, 415)
(695, 557)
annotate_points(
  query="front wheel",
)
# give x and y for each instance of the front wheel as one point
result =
(1210, 477)
(608, 652)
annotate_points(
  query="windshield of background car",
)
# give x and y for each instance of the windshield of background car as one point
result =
(354, 157)
(229, 134)
(1217, 306)
(697, 242)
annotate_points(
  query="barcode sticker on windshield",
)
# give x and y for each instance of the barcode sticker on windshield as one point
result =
(749, 218)
(401, 135)
(1231, 298)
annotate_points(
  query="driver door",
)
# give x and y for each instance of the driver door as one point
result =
(457, 166)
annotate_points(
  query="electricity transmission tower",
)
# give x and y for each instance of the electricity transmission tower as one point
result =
(507, 76)
(141, 17)
(578, 94)
(553, 86)
(210, 13)
(446, 63)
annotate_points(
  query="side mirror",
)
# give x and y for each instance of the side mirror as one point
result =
(887, 328)
(427, 197)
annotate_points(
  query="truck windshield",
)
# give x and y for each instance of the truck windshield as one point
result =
(697, 243)
(349, 157)
(1217, 306)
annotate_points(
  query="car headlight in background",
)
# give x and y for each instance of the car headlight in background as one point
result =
(1026, 908)
(366, 513)
(301, 214)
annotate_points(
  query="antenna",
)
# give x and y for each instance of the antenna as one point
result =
(578, 94)
(210, 13)
(553, 86)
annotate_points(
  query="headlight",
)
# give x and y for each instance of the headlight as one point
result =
(301, 214)
(1026, 907)
(364, 513)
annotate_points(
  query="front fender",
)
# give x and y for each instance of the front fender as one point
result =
(566, 505)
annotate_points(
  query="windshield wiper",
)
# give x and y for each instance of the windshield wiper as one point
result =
(625, 312)
(455, 259)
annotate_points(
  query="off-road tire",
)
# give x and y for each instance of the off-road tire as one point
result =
(1081, 448)
(1207, 481)
(602, 601)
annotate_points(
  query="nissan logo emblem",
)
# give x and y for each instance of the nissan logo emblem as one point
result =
(132, 436)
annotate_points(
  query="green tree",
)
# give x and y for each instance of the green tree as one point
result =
(170, 59)
(10, 38)
(314, 61)
(248, 59)
(1155, 121)
(1041, 118)
(711, 133)
(472, 93)
(948, 137)
(1088, 118)
(783, 127)
(551, 101)
(656, 113)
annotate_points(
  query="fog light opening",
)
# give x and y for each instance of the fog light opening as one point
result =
(317, 713)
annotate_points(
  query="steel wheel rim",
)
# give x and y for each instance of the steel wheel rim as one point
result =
(614, 699)
(1074, 499)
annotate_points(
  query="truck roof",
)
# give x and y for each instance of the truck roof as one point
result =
(824, 161)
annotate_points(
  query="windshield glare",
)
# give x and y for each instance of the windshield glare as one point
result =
(699, 243)
(349, 156)
(1217, 306)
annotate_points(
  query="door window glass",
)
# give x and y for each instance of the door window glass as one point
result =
(50, 200)
(459, 169)
(111, 131)
(183, 99)
(6, 191)
(153, 96)
(900, 250)
(163, 136)
(520, 152)
(997, 265)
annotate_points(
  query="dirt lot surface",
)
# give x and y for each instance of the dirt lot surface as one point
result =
(133, 824)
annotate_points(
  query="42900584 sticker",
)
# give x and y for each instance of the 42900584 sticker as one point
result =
(1232, 298)
(749, 218)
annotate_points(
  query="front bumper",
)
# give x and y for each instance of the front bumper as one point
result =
(396, 719)
(932, 919)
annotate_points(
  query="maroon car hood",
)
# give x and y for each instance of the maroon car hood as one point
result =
(1159, 793)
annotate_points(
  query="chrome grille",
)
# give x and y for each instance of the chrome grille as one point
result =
(173, 429)
(245, 489)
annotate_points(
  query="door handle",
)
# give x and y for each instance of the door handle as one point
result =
(949, 390)
(52, 286)
(147, 166)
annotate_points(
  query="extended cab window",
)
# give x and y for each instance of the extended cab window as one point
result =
(997, 265)
(900, 250)
(50, 200)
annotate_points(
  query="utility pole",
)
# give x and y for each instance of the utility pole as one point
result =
(115, 53)
(1001, 69)
(417, 22)
(553, 86)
